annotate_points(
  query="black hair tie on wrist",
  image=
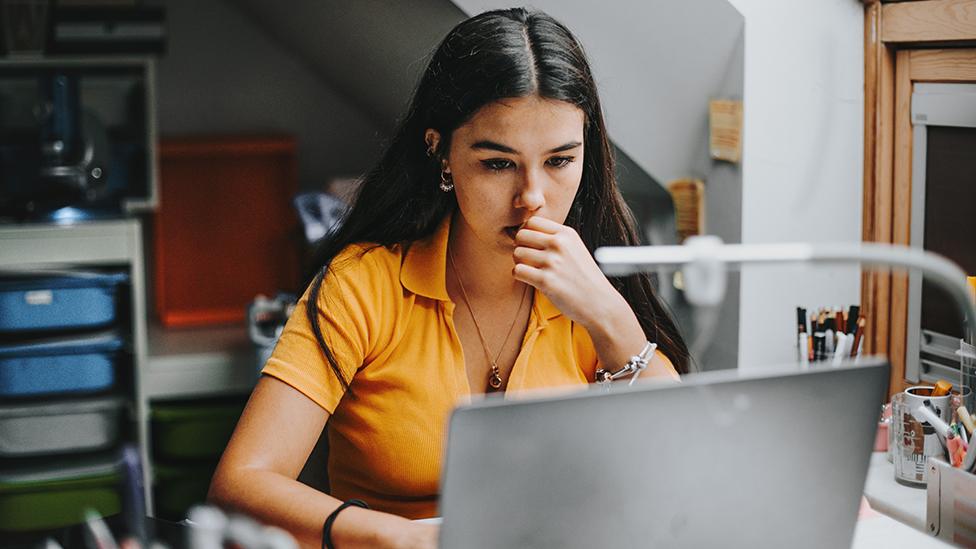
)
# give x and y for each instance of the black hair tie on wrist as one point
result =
(327, 526)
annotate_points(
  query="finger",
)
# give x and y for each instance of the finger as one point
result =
(532, 276)
(533, 239)
(531, 256)
(542, 224)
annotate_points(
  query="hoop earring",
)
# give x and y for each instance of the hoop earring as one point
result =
(447, 182)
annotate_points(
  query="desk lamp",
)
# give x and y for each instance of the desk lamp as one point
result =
(706, 259)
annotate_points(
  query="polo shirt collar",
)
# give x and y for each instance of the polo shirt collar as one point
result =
(425, 264)
(425, 267)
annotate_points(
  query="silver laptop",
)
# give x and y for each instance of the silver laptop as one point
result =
(721, 460)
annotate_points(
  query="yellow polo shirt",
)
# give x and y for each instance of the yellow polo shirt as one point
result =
(389, 321)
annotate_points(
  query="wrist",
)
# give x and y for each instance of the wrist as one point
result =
(357, 527)
(391, 531)
(608, 316)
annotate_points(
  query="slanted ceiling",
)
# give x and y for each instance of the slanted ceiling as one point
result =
(371, 51)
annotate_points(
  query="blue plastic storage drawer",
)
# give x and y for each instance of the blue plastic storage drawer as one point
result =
(55, 302)
(59, 366)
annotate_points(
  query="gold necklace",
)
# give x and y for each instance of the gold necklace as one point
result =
(494, 378)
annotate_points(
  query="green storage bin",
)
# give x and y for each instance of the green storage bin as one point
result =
(193, 430)
(179, 487)
(54, 495)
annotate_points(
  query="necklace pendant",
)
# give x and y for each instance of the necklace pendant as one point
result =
(495, 380)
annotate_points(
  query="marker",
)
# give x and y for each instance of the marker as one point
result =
(809, 348)
(966, 419)
(842, 350)
(818, 338)
(852, 318)
(942, 388)
(829, 336)
(858, 335)
(956, 456)
(925, 414)
(802, 344)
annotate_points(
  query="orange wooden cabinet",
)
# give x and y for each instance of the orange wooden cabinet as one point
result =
(905, 43)
(225, 229)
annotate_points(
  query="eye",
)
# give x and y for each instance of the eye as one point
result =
(560, 161)
(498, 164)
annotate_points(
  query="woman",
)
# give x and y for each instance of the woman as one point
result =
(464, 267)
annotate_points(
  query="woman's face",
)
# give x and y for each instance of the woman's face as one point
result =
(516, 158)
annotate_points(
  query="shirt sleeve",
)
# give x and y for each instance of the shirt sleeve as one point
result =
(585, 352)
(350, 303)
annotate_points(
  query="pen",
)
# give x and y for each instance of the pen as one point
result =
(134, 508)
(99, 536)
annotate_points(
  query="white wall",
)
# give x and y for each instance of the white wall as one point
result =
(803, 162)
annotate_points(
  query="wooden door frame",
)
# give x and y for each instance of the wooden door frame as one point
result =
(893, 63)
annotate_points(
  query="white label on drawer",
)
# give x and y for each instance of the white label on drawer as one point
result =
(39, 297)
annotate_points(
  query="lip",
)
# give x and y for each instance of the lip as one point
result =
(512, 230)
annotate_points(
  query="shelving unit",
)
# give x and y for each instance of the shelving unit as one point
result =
(167, 363)
(116, 243)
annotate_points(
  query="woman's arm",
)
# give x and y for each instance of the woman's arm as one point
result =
(552, 257)
(258, 471)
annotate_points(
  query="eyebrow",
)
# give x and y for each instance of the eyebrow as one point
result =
(491, 145)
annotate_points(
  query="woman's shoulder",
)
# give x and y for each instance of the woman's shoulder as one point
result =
(367, 261)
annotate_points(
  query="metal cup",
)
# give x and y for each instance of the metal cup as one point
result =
(915, 441)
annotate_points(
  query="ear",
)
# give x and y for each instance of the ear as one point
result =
(432, 139)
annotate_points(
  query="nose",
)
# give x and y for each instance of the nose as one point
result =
(531, 192)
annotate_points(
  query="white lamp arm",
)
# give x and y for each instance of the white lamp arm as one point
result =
(708, 251)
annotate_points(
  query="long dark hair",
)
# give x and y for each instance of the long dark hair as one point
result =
(495, 55)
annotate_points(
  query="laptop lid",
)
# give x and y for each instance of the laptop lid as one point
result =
(723, 459)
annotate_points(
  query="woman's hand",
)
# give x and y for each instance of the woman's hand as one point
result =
(408, 534)
(552, 258)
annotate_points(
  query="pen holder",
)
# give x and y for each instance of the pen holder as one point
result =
(915, 441)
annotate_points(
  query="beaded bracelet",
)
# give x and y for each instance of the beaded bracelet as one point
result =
(634, 366)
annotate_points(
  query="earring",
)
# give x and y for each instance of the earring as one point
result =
(447, 182)
(430, 151)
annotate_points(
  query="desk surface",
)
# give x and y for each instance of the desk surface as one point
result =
(902, 511)
(876, 530)
(902, 503)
